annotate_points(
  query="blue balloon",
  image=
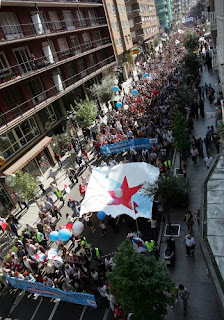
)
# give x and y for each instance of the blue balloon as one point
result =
(101, 215)
(119, 104)
(64, 234)
(115, 88)
(146, 75)
(54, 236)
(134, 91)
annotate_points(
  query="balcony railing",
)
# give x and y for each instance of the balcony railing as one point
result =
(64, 1)
(42, 29)
(211, 16)
(39, 101)
(35, 65)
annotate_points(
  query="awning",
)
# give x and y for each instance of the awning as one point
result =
(30, 155)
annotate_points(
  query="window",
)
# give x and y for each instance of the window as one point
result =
(71, 69)
(4, 65)
(48, 114)
(123, 9)
(120, 41)
(123, 25)
(126, 39)
(92, 59)
(135, 7)
(120, 9)
(126, 23)
(113, 25)
(55, 20)
(13, 97)
(15, 139)
(63, 46)
(117, 26)
(81, 18)
(97, 36)
(23, 58)
(93, 17)
(10, 25)
(117, 42)
(109, 7)
(113, 9)
(37, 90)
(76, 44)
(68, 17)
(87, 39)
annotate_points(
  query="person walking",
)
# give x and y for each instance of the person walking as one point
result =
(194, 155)
(58, 159)
(190, 244)
(103, 228)
(183, 294)
(188, 218)
(21, 202)
(208, 160)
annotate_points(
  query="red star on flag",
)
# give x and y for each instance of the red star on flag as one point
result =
(139, 243)
(125, 199)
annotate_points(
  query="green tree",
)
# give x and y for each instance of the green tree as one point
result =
(190, 40)
(140, 284)
(103, 91)
(180, 134)
(191, 66)
(86, 113)
(26, 185)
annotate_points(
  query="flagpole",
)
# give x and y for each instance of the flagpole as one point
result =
(136, 224)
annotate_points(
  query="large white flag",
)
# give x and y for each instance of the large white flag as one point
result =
(117, 190)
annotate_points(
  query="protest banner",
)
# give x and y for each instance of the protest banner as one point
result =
(55, 293)
(136, 144)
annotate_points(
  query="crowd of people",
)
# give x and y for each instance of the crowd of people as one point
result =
(82, 267)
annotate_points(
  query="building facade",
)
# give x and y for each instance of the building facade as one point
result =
(49, 51)
(120, 31)
(216, 19)
(143, 20)
(164, 12)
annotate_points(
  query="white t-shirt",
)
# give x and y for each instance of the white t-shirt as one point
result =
(190, 242)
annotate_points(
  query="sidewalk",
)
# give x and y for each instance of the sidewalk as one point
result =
(192, 271)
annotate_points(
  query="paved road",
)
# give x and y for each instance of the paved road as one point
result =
(191, 272)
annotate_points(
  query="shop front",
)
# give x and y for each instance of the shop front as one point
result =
(6, 204)
(36, 161)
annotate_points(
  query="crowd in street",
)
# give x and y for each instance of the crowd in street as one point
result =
(82, 267)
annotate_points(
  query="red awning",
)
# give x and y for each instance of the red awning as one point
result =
(30, 155)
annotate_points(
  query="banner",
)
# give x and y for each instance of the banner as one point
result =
(119, 190)
(38, 288)
(136, 144)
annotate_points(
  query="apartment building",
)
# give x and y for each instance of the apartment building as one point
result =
(50, 51)
(120, 31)
(164, 12)
(143, 21)
(216, 19)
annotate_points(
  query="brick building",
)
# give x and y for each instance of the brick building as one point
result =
(50, 51)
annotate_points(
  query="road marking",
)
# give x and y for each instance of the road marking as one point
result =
(83, 311)
(38, 306)
(106, 314)
(54, 309)
(17, 301)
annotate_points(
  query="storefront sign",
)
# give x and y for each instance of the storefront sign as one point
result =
(136, 51)
(136, 144)
(39, 288)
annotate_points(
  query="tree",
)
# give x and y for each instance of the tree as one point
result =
(26, 185)
(191, 66)
(103, 91)
(140, 284)
(190, 40)
(87, 112)
(180, 134)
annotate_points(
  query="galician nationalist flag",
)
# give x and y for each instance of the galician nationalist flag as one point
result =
(118, 190)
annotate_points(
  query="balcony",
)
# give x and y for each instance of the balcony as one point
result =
(211, 16)
(13, 117)
(52, 3)
(24, 32)
(35, 66)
